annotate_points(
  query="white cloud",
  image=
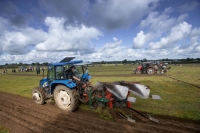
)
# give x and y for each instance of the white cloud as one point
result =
(17, 40)
(115, 39)
(156, 22)
(197, 49)
(141, 39)
(74, 28)
(111, 46)
(67, 38)
(118, 13)
(195, 32)
(189, 6)
(35, 56)
(177, 33)
(181, 18)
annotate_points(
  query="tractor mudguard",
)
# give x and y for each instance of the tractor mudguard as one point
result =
(70, 84)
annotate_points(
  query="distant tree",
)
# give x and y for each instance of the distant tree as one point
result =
(124, 61)
(144, 60)
(33, 64)
(188, 59)
(20, 64)
(45, 63)
(103, 62)
(37, 63)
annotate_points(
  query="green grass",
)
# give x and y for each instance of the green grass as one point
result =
(177, 98)
(3, 130)
(19, 85)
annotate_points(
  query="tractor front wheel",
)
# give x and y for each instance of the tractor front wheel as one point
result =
(150, 71)
(65, 98)
(38, 95)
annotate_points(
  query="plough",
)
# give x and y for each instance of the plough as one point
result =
(117, 95)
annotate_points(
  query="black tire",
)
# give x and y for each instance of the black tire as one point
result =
(150, 71)
(38, 95)
(65, 98)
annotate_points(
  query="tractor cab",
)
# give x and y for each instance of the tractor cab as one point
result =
(65, 91)
(57, 74)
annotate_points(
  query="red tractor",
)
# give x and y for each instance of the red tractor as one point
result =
(146, 67)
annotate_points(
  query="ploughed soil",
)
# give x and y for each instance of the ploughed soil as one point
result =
(21, 115)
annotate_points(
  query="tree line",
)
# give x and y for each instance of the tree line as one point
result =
(125, 61)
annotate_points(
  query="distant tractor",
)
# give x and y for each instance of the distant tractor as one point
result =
(145, 67)
(151, 68)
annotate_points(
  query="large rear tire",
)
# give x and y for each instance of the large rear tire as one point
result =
(65, 98)
(38, 95)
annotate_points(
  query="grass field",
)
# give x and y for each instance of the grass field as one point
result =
(3, 130)
(178, 99)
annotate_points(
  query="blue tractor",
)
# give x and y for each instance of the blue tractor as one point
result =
(66, 92)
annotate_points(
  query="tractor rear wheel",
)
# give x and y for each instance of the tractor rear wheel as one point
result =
(150, 71)
(38, 95)
(65, 98)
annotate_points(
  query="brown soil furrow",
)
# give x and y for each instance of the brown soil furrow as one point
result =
(26, 121)
(35, 123)
(97, 124)
(16, 120)
(81, 119)
(165, 126)
(48, 118)
(65, 118)
(17, 128)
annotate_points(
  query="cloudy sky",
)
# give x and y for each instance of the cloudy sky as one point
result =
(98, 30)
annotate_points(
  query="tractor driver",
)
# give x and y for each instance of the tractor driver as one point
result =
(70, 73)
